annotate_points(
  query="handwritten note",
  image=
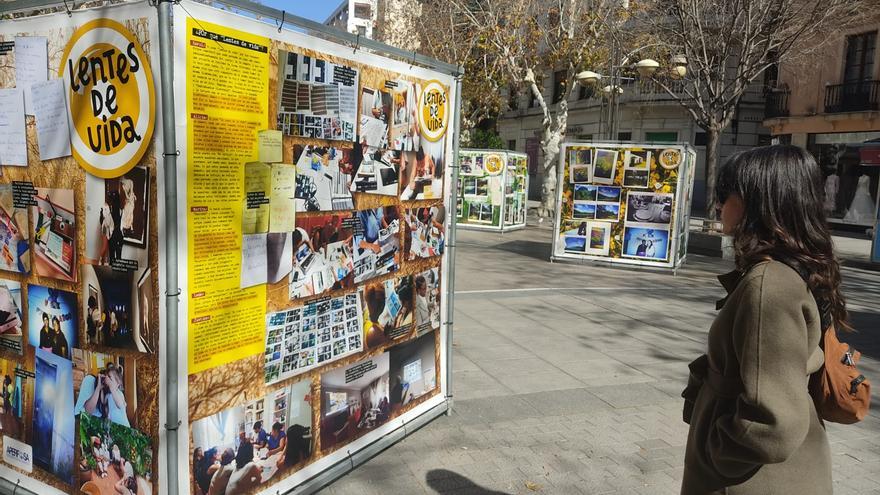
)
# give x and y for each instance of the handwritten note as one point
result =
(31, 65)
(50, 111)
(270, 146)
(13, 139)
(281, 199)
(257, 182)
(254, 268)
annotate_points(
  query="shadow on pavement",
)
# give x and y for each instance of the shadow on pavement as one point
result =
(443, 481)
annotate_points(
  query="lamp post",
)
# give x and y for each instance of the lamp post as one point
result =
(613, 90)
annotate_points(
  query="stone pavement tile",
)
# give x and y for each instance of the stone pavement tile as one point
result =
(643, 356)
(515, 366)
(485, 338)
(489, 352)
(632, 395)
(476, 385)
(603, 372)
(495, 409)
(536, 382)
(462, 362)
(564, 350)
(564, 402)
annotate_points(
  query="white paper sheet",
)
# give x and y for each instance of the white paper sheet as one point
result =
(50, 110)
(31, 65)
(13, 138)
(254, 265)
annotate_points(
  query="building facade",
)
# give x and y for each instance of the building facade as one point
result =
(646, 114)
(829, 103)
(355, 16)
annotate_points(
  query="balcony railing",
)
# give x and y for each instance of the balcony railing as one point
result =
(852, 97)
(776, 103)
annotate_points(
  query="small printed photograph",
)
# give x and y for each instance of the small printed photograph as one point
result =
(466, 164)
(18, 390)
(580, 173)
(584, 157)
(600, 239)
(115, 459)
(636, 178)
(413, 371)
(585, 192)
(608, 194)
(427, 306)
(117, 219)
(649, 208)
(323, 178)
(421, 172)
(53, 419)
(52, 320)
(404, 126)
(53, 223)
(482, 187)
(323, 258)
(646, 243)
(472, 165)
(105, 387)
(584, 210)
(354, 400)
(388, 310)
(576, 244)
(426, 234)
(605, 166)
(15, 255)
(112, 312)
(241, 448)
(377, 172)
(377, 242)
(637, 160)
(11, 316)
(608, 211)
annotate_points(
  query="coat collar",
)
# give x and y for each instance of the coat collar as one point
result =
(729, 281)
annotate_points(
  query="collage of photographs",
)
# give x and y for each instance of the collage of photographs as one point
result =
(317, 99)
(614, 204)
(492, 189)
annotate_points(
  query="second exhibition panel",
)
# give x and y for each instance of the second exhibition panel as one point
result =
(624, 203)
(493, 190)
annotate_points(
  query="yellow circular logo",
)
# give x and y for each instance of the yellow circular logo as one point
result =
(494, 164)
(433, 111)
(110, 97)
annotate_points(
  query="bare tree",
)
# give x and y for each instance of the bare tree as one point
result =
(728, 45)
(512, 43)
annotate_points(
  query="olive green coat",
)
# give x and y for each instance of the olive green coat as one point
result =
(753, 427)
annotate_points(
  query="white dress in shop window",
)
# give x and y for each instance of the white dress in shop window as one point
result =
(832, 185)
(862, 208)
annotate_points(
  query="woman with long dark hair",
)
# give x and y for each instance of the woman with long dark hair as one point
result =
(754, 428)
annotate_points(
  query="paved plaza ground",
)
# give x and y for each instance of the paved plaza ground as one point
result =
(567, 378)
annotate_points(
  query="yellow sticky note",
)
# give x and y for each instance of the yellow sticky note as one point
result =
(257, 185)
(270, 146)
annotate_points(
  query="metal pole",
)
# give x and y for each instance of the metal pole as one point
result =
(172, 288)
(450, 243)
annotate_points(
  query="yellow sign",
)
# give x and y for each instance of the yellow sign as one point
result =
(110, 97)
(433, 111)
(494, 164)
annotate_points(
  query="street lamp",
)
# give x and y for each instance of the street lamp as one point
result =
(679, 67)
(647, 67)
(588, 77)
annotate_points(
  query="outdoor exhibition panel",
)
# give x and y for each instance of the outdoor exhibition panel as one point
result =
(286, 195)
(492, 190)
(624, 203)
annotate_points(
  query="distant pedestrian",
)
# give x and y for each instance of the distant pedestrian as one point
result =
(754, 428)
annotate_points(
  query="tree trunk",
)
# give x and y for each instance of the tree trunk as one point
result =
(548, 188)
(713, 140)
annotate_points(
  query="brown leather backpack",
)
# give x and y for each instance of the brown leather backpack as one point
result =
(841, 393)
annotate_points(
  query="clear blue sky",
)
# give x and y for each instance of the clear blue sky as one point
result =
(316, 10)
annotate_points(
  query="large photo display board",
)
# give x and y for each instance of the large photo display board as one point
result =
(318, 186)
(624, 203)
(80, 279)
(492, 190)
(313, 200)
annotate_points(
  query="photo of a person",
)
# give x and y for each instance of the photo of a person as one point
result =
(112, 308)
(323, 255)
(421, 172)
(645, 243)
(425, 233)
(352, 404)
(115, 459)
(17, 391)
(104, 387)
(376, 243)
(427, 305)
(388, 310)
(53, 319)
(228, 461)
